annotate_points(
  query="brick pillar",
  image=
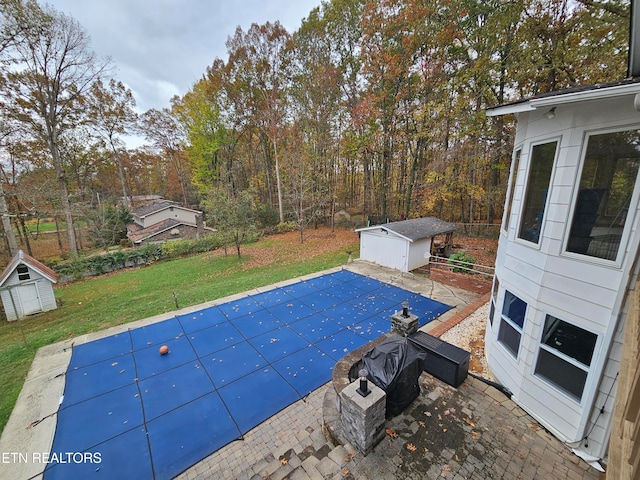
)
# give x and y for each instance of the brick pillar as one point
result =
(362, 418)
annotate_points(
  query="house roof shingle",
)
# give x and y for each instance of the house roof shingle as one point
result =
(417, 228)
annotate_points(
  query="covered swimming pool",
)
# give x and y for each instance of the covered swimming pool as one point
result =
(134, 413)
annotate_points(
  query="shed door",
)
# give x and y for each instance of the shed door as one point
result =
(29, 298)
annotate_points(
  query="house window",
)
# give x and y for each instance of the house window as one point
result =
(540, 167)
(23, 272)
(514, 177)
(607, 182)
(512, 322)
(494, 299)
(565, 356)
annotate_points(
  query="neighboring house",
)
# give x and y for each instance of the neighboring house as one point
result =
(567, 262)
(404, 245)
(26, 287)
(163, 220)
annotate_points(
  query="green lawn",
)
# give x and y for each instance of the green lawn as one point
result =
(102, 302)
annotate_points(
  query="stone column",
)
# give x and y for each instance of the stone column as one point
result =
(362, 418)
(404, 325)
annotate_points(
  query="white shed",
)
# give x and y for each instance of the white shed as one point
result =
(404, 245)
(26, 287)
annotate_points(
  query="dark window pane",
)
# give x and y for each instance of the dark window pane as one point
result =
(509, 337)
(514, 308)
(562, 374)
(571, 340)
(606, 185)
(540, 166)
(23, 272)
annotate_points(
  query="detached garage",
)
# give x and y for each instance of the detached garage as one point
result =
(404, 245)
(26, 287)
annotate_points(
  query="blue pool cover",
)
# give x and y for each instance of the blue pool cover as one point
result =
(129, 412)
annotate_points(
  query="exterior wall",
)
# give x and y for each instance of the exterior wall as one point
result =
(14, 294)
(625, 442)
(419, 252)
(584, 291)
(187, 232)
(176, 212)
(384, 249)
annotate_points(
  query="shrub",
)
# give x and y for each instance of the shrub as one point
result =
(286, 227)
(461, 261)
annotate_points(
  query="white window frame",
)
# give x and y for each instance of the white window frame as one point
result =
(566, 358)
(525, 191)
(626, 234)
(513, 325)
(511, 190)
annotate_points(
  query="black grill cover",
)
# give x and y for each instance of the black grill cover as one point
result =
(395, 366)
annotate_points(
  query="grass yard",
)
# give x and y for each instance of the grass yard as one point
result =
(102, 302)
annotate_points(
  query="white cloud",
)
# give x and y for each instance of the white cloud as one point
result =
(162, 47)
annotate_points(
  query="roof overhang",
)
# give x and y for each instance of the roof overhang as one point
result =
(595, 92)
(383, 228)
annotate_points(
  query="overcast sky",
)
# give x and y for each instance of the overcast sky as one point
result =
(160, 48)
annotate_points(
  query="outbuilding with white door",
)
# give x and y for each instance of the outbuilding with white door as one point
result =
(26, 287)
(404, 245)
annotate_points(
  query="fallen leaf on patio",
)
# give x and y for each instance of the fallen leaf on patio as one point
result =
(345, 471)
(457, 459)
(352, 455)
(475, 435)
(428, 414)
(391, 433)
(444, 429)
(452, 410)
(284, 461)
(446, 468)
(421, 423)
(469, 422)
(534, 426)
(446, 412)
(411, 447)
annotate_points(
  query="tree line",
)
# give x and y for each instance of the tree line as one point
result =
(375, 107)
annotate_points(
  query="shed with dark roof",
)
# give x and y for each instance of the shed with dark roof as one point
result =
(404, 245)
(26, 287)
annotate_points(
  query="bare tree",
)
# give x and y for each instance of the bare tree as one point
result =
(111, 115)
(44, 90)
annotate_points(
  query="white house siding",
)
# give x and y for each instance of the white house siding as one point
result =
(177, 213)
(384, 249)
(11, 294)
(586, 292)
(419, 251)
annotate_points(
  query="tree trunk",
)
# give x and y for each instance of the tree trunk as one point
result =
(6, 223)
(63, 191)
(125, 197)
(26, 234)
(278, 182)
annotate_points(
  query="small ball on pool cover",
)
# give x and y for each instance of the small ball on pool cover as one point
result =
(164, 350)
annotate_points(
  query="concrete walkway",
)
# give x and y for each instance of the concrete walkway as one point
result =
(469, 432)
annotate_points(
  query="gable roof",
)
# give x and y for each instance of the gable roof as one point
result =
(158, 206)
(137, 234)
(415, 229)
(22, 258)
